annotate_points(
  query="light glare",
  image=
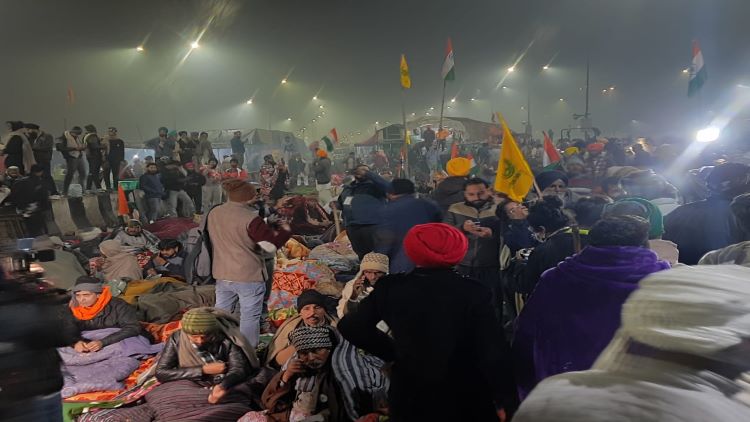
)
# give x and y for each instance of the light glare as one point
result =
(708, 134)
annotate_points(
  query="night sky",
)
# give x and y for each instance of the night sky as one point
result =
(347, 52)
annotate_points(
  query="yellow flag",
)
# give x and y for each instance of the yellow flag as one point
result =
(405, 78)
(514, 177)
(408, 138)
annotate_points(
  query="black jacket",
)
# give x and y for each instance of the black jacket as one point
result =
(35, 322)
(194, 182)
(14, 153)
(702, 226)
(173, 179)
(545, 256)
(117, 314)
(43, 146)
(450, 191)
(450, 358)
(168, 367)
(116, 151)
(28, 190)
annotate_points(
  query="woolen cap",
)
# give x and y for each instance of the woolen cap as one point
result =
(308, 338)
(199, 321)
(238, 190)
(435, 245)
(85, 283)
(310, 297)
(375, 261)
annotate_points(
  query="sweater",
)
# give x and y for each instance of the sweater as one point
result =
(235, 229)
(151, 185)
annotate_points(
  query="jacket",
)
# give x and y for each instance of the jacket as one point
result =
(483, 252)
(14, 153)
(43, 146)
(116, 314)
(173, 267)
(238, 147)
(362, 202)
(94, 147)
(173, 179)
(450, 191)
(36, 323)
(194, 182)
(322, 170)
(168, 366)
(702, 226)
(575, 310)
(517, 236)
(453, 367)
(737, 254)
(235, 230)
(115, 150)
(545, 256)
(399, 216)
(151, 185)
(161, 149)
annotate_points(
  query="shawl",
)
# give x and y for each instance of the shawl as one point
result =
(118, 262)
(230, 328)
(575, 310)
(28, 151)
(85, 313)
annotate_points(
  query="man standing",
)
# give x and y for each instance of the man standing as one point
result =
(235, 171)
(402, 212)
(212, 188)
(351, 162)
(18, 151)
(31, 198)
(95, 156)
(205, 152)
(187, 148)
(428, 135)
(174, 178)
(238, 148)
(475, 217)
(440, 363)
(361, 203)
(71, 147)
(161, 145)
(442, 136)
(115, 152)
(42, 143)
(150, 184)
(321, 168)
(239, 270)
(194, 183)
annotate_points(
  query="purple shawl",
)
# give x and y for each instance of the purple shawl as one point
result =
(575, 310)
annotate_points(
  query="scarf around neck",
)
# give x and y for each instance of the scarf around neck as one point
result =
(85, 313)
(72, 143)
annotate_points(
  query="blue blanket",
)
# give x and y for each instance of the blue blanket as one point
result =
(105, 369)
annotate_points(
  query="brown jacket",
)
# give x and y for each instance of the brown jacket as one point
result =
(236, 257)
(278, 400)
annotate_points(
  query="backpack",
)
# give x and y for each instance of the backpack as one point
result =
(199, 260)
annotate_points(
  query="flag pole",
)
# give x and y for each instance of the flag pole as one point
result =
(442, 105)
(405, 163)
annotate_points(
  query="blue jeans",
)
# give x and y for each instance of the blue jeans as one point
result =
(153, 208)
(250, 298)
(39, 408)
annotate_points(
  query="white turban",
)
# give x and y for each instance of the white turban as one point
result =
(697, 310)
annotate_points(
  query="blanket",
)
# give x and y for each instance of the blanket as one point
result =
(105, 369)
(168, 306)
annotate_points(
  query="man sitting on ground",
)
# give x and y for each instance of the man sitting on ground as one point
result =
(373, 267)
(312, 313)
(134, 236)
(94, 308)
(169, 261)
(306, 388)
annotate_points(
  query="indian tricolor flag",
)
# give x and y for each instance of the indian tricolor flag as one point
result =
(698, 75)
(448, 66)
(331, 139)
(551, 155)
(473, 165)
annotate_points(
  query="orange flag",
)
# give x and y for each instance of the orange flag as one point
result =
(122, 202)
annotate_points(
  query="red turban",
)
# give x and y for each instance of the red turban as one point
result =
(595, 147)
(435, 245)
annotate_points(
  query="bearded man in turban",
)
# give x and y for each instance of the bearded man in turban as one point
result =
(450, 360)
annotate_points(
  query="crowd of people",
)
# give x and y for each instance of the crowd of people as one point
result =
(579, 302)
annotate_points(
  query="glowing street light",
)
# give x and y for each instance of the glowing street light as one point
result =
(288, 119)
(545, 67)
(453, 100)
(612, 88)
(432, 108)
(473, 99)
(320, 107)
(708, 134)
(685, 71)
(248, 102)
(511, 69)
(604, 91)
(194, 45)
(414, 114)
(139, 48)
(504, 87)
(283, 81)
(315, 98)
(562, 99)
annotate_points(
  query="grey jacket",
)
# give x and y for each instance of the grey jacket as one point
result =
(483, 252)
